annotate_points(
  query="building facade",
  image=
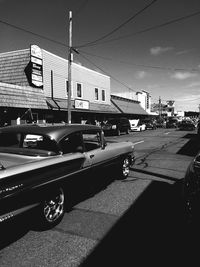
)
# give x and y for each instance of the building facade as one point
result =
(34, 87)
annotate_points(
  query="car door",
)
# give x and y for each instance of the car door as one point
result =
(97, 157)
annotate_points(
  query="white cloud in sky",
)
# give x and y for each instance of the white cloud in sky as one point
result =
(187, 102)
(193, 84)
(141, 74)
(183, 75)
(182, 52)
(188, 97)
(157, 50)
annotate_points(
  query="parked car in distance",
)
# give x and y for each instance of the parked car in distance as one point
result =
(38, 163)
(191, 191)
(198, 128)
(116, 126)
(137, 125)
(187, 125)
(149, 123)
(172, 123)
(160, 123)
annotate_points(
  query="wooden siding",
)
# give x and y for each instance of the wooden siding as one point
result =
(88, 78)
(12, 67)
(21, 97)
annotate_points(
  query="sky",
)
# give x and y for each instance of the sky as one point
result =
(150, 45)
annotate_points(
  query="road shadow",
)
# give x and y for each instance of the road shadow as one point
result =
(192, 147)
(13, 230)
(78, 190)
(152, 231)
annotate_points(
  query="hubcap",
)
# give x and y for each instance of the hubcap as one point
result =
(54, 207)
(126, 167)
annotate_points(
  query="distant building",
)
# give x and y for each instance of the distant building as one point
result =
(164, 110)
(143, 98)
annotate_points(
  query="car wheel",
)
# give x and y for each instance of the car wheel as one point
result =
(51, 210)
(127, 131)
(124, 168)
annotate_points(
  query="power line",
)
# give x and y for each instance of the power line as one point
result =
(119, 27)
(108, 73)
(81, 7)
(106, 58)
(141, 65)
(147, 29)
(33, 33)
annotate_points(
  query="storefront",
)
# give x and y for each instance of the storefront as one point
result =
(34, 88)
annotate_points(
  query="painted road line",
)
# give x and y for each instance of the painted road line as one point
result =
(138, 142)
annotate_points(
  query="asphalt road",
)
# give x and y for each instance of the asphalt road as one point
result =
(120, 223)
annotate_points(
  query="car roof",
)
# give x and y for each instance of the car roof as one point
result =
(55, 132)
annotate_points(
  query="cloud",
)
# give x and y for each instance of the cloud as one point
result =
(141, 74)
(194, 84)
(188, 97)
(182, 52)
(183, 75)
(157, 50)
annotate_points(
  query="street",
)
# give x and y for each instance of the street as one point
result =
(119, 223)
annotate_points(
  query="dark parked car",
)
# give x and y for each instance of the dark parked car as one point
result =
(160, 123)
(191, 191)
(38, 163)
(172, 123)
(198, 128)
(186, 125)
(117, 126)
(150, 124)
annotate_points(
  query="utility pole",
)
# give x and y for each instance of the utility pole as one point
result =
(199, 111)
(159, 107)
(70, 56)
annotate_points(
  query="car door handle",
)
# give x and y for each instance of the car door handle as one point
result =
(91, 156)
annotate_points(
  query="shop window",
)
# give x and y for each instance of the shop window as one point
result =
(79, 90)
(96, 94)
(103, 95)
(67, 88)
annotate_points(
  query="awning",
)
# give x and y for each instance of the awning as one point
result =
(22, 97)
(128, 106)
(52, 104)
(93, 107)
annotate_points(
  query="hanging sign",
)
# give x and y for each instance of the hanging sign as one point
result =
(36, 66)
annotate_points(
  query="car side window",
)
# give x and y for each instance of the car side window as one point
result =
(72, 143)
(91, 140)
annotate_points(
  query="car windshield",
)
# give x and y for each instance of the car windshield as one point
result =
(112, 121)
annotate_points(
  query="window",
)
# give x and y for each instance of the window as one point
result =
(67, 88)
(103, 95)
(79, 90)
(92, 140)
(72, 143)
(96, 94)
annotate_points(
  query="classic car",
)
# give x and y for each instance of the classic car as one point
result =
(37, 161)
